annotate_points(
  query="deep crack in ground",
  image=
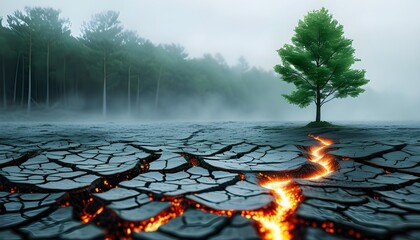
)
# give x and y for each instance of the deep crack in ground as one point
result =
(229, 181)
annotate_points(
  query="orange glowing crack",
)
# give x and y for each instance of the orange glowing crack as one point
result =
(273, 223)
(87, 217)
(154, 223)
(317, 155)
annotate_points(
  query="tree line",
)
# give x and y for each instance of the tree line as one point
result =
(110, 68)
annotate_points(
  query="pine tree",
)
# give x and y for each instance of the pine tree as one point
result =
(318, 62)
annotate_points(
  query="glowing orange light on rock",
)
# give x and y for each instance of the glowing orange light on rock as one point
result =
(154, 223)
(194, 162)
(274, 224)
(87, 217)
(317, 155)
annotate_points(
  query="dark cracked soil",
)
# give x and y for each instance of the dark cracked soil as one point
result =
(199, 181)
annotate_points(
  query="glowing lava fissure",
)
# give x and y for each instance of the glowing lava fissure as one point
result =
(274, 222)
(277, 223)
(152, 224)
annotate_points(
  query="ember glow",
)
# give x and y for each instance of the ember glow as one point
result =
(317, 155)
(154, 223)
(87, 217)
(275, 224)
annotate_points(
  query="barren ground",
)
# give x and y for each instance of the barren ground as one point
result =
(209, 181)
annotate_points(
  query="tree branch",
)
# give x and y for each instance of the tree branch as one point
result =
(329, 79)
(332, 91)
(328, 59)
(296, 74)
(323, 102)
(319, 47)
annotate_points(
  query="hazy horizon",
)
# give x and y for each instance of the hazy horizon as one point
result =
(385, 36)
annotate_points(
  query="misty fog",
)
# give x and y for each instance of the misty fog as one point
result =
(207, 61)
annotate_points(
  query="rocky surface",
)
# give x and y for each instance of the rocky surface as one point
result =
(67, 181)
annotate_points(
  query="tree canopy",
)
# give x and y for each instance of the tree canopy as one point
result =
(318, 62)
(111, 68)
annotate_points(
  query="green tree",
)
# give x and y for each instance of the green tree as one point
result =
(24, 26)
(52, 29)
(146, 58)
(130, 43)
(319, 61)
(102, 34)
(3, 49)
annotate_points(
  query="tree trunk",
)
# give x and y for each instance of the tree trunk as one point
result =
(318, 106)
(4, 84)
(16, 77)
(48, 77)
(138, 93)
(64, 82)
(157, 89)
(104, 90)
(30, 77)
(129, 90)
(22, 87)
(76, 85)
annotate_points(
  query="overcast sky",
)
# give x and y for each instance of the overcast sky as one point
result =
(386, 37)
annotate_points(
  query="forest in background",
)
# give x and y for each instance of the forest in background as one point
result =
(111, 70)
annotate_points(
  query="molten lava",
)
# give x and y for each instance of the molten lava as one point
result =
(87, 217)
(154, 223)
(274, 224)
(317, 155)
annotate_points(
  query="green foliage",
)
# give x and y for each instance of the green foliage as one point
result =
(51, 25)
(39, 23)
(76, 68)
(318, 62)
(5, 35)
(103, 33)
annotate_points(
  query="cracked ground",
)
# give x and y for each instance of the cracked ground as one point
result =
(208, 181)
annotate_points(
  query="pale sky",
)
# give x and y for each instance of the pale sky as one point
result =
(386, 37)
